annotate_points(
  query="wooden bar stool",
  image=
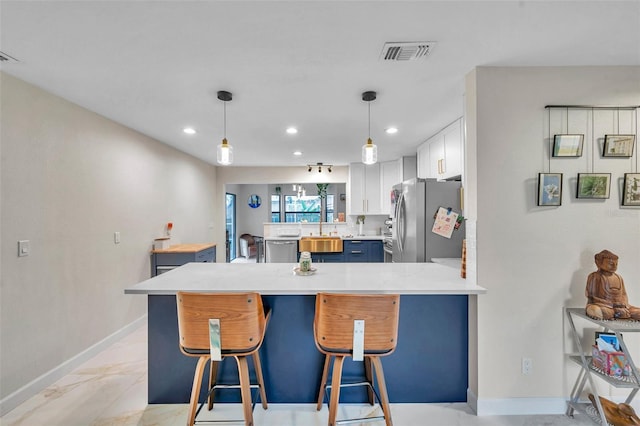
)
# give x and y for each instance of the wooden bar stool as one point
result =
(363, 326)
(225, 325)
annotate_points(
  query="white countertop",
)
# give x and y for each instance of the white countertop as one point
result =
(452, 262)
(279, 279)
(344, 237)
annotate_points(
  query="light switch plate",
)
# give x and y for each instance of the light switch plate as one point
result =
(23, 248)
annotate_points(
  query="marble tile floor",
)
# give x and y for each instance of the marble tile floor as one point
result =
(111, 389)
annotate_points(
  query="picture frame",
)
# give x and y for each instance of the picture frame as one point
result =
(631, 190)
(567, 145)
(620, 146)
(594, 185)
(549, 189)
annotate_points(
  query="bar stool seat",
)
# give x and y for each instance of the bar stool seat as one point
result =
(240, 322)
(339, 333)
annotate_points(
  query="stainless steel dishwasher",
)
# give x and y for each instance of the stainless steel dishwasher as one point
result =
(281, 251)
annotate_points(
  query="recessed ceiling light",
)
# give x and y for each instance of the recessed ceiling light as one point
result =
(391, 130)
(292, 130)
(189, 130)
(297, 153)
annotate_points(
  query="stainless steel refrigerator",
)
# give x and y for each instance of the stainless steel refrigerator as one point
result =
(414, 203)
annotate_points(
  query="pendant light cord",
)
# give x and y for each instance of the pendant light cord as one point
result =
(369, 120)
(225, 119)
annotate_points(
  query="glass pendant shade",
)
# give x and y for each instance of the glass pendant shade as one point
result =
(225, 153)
(369, 152)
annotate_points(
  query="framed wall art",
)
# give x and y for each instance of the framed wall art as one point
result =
(254, 201)
(567, 145)
(593, 185)
(631, 190)
(618, 145)
(549, 189)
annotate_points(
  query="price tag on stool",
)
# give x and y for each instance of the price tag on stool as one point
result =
(358, 340)
(214, 339)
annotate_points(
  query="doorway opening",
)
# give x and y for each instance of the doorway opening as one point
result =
(230, 224)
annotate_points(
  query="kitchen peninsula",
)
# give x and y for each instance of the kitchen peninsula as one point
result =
(429, 365)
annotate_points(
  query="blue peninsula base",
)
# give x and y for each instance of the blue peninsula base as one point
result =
(430, 363)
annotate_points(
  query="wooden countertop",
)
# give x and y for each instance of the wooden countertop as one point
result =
(185, 248)
(279, 278)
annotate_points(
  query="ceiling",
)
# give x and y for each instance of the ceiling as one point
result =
(156, 66)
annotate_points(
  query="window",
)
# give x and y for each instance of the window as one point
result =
(275, 208)
(303, 208)
(307, 208)
(330, 208)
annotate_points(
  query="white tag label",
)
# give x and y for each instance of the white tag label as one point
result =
(358, 340)
(214, 339)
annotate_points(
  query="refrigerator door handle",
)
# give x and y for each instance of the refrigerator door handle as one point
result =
(401, 223)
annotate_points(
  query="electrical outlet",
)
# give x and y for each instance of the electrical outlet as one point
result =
(23, 248)
(527, 366)
(116, 237)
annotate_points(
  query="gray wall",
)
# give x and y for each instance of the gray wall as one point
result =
(70, 179)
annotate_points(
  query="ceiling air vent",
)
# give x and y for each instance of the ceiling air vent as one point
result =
(406, 51)
(4, 58)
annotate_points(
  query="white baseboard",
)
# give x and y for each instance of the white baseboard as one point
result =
(32, 388)
(524, 406)
(515, 406)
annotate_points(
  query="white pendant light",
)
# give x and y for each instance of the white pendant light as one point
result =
(369, 150)
(225, 151)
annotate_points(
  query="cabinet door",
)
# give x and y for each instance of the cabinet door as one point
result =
(373, 192)
(364, 189)
(453, 152)
(423, 166)
(390, 175)
(327, 257)
(436, 156)
(376, 251)
(356, 197)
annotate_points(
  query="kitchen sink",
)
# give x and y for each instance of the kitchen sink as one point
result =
(320, 244)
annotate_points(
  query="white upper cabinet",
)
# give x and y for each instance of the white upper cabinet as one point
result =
(364, 194)
(423, 162)
(441, 156)
(390, 174)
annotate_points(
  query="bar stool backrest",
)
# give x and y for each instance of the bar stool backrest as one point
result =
(335, 313)
(241, 315)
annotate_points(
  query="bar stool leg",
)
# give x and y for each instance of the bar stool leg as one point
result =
(336, 379)
(369, 376)
(213, 375)
(257, 365)
(195, 389)
(323, 382)
(382, 388)
(245, 389)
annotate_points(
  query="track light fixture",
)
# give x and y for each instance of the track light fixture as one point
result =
(319, 166)
(225, 151)
(369, 150)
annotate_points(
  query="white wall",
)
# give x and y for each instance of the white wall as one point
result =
(251, 220)
(70, 179)
(535, 260)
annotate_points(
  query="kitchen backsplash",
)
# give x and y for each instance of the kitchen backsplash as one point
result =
(373, 225)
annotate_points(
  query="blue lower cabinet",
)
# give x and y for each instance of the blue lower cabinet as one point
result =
(376, 254)
(363, 251)
(327, 257)
(353, 251)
